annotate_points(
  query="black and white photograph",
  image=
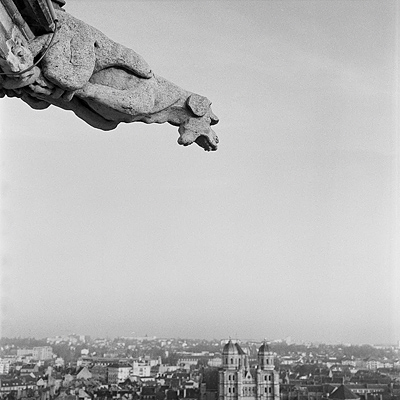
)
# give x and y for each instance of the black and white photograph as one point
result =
(200, 199)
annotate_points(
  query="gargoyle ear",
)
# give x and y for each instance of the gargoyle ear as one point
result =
(199, 105)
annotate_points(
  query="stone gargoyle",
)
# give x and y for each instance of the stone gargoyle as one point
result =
(102, 82)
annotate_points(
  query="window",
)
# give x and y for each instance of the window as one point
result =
(231, 360)
(233, 376)
(233, 390)
(270, 390)
(229, 377)
(229, 390)
(270, 378)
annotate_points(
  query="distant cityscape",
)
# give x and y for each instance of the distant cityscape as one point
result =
(78, 367)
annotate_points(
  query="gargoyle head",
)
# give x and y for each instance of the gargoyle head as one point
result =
(197, 128)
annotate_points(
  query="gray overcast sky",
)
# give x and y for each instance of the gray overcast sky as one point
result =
(290, 228)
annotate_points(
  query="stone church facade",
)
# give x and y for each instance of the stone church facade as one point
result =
(237, 381)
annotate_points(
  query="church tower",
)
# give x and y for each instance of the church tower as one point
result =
(233, 357)
(265, 358)
(267, 377)
(230, 379)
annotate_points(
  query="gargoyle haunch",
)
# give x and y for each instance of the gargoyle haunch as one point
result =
(101, 81)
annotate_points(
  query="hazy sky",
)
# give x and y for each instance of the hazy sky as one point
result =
(290, 228)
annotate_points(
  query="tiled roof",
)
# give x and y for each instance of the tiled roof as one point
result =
(83, 394)
(148, 390)
(343, 393)
(315, 388)
(239, 349)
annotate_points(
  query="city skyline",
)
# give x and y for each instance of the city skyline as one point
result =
(290, 228)
(288, 340)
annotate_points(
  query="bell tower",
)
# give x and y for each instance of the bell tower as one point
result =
(234, 363)
(265, 358)
(267, 377)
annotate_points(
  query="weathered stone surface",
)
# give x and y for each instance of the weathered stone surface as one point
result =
(102, 82)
